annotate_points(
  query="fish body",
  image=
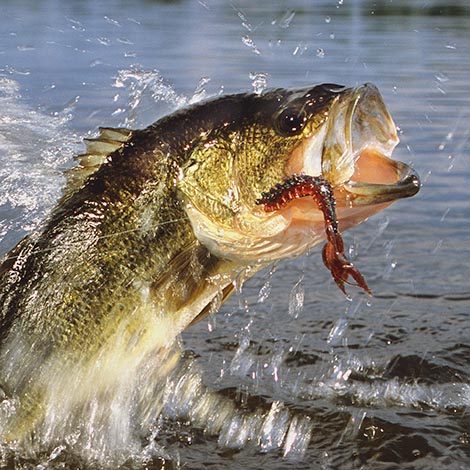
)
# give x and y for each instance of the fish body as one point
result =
(158, 224)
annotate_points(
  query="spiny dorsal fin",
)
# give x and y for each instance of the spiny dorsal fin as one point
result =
(97, 151)
(107, 142)
(120, 134)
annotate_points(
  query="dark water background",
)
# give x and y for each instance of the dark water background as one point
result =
(385, 382)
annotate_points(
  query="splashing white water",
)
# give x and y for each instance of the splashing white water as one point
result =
(273, 428)
(145, 92)
(34, 151)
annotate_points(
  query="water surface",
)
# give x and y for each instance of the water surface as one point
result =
(366, 383)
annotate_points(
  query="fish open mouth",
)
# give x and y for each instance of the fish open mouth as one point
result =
(353, 151)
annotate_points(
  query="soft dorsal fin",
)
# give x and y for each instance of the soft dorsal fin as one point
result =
(97, 151)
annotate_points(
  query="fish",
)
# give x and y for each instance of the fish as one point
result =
(156, 228)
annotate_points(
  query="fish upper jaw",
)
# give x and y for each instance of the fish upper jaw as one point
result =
(352, 150)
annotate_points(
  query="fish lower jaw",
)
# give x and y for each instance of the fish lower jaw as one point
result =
(378, 179)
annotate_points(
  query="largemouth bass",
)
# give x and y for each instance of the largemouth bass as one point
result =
(157, 225)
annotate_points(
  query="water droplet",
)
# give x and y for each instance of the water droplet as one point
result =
(250, 43)
(442, 77)
(444, 215)
(76, 25)
(125, 41)
(199, 90)
(437, 247)
(264, 292)
(243, 360)
(112, 21)
(96, 62)
(259, 82)
(286, 20)
(244, 19)
(56, 452)
(103, 41)
(337, 332)
(211, 323)
(16, 71)
(451, 159)
(25, 48)
(354, 308)
(300, 49)
(296, 299)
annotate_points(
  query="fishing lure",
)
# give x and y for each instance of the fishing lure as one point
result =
(319, 188)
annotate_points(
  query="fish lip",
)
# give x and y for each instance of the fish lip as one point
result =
(362, 193)
(366, 136)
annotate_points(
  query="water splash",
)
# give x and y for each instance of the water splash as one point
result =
(104, 421)
(259, 82)
(200, 90)
(34, 151)
(296, 299)
(268, 428)
(146, 95)
(249, 42)
(394, 392)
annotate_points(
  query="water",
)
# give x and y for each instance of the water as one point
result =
(289, 374)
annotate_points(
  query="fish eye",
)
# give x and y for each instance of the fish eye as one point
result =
(290, 122)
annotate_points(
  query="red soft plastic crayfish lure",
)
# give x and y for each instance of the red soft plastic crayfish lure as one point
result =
(298, 186)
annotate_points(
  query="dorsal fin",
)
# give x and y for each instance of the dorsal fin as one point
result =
(107, 142)
(97, 151)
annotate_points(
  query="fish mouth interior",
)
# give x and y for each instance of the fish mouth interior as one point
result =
(358, 142)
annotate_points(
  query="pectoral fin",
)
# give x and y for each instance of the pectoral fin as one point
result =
(208, 309)
(194, 280)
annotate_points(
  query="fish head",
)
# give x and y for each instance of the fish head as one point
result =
(250, 143)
